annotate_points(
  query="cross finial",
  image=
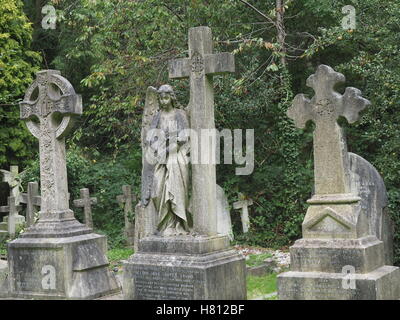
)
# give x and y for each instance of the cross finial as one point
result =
(324, 109)
(86, 203)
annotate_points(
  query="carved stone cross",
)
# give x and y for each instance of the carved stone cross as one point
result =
(12, 178)
(324, 109)
(244, 205)
(200, 67)
(12, 210)
(86, 203)
(127, 199)
(48, 107)
(32, 200)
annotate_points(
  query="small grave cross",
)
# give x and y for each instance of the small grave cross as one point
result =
(244, 205)
(86, 203)
(32, 200)
(324, 109)
(12, 210)
(127, 199)
(12, 177)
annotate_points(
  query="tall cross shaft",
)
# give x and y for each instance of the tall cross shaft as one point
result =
(330, 150)
(244, 214)
(127, 198)
(200, 67)
(51, 99)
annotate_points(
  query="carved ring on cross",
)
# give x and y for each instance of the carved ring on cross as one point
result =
(50, 94)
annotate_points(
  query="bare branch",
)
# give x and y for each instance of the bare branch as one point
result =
(258, 11)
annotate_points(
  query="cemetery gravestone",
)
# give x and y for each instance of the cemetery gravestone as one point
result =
(344, 253)
(57, 257)
(186, 265)
(127, 199)
(244, 215)
(224, 223)
(86, 203)
(12, 219)
(32, 200)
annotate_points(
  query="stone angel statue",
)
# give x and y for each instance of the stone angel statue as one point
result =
(165, 173)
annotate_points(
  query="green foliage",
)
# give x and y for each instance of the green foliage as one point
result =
(257, 259)
(17, 64)
(260, 286)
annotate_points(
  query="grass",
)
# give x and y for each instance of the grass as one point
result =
(261, 286)
(257, 259)
(116, 255)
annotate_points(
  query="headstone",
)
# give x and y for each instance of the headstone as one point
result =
(58, 257)
(343, 253)
(189, 264)
(127, 199)
(32, 200)
(86, 203)
(224, 223)
(244, 214)
(12, 220)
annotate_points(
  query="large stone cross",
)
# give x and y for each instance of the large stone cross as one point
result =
(127, 199)
(12, 178)
(48, 107)
(200, 67)
(324, 109)
(12, 210)
(32, 200)
(86, 203)
(244, 214)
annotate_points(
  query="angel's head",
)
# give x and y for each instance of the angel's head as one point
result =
(166, 96)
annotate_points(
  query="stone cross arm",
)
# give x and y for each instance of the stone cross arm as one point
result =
(85, 200)
(127, 195)
(214, 64)
(10, 207)
(242, 204)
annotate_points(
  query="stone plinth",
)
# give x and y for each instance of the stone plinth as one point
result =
(60, 268)
(185, 268)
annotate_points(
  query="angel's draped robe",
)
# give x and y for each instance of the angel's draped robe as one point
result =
(170, 191)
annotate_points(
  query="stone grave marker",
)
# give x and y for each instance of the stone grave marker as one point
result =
(343, 253)
(32, 200)
(58, 257)
(185, 265)
(12, 220)
(244, 214)
(86, 203)
(224, 223)
(127, 199)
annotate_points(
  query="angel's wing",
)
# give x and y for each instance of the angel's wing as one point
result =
(7, 176)
(150, 110)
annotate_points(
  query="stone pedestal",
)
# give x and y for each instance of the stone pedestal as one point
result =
(185, 268)
(317, 271)
(59, 259)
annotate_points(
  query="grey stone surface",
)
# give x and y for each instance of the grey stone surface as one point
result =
(127, 199)
(200, 67)
(198, 269)
(346, 227)
(3, 279)
(58, 257)
(244, 214)
(86, 203)
(14, 220)
(224, 223)
(32, 200)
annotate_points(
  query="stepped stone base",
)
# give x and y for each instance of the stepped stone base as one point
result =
(66, 267)
(185, 268)
(319, 270)
(380, 284)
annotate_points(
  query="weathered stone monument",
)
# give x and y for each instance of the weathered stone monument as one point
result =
(12, 177)
(86, 203)
(244, 214)
(13, 217)
(127, 199)
(224, 222)
(57, 257)
(180, 255)
(346, 249)
(32, 200)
